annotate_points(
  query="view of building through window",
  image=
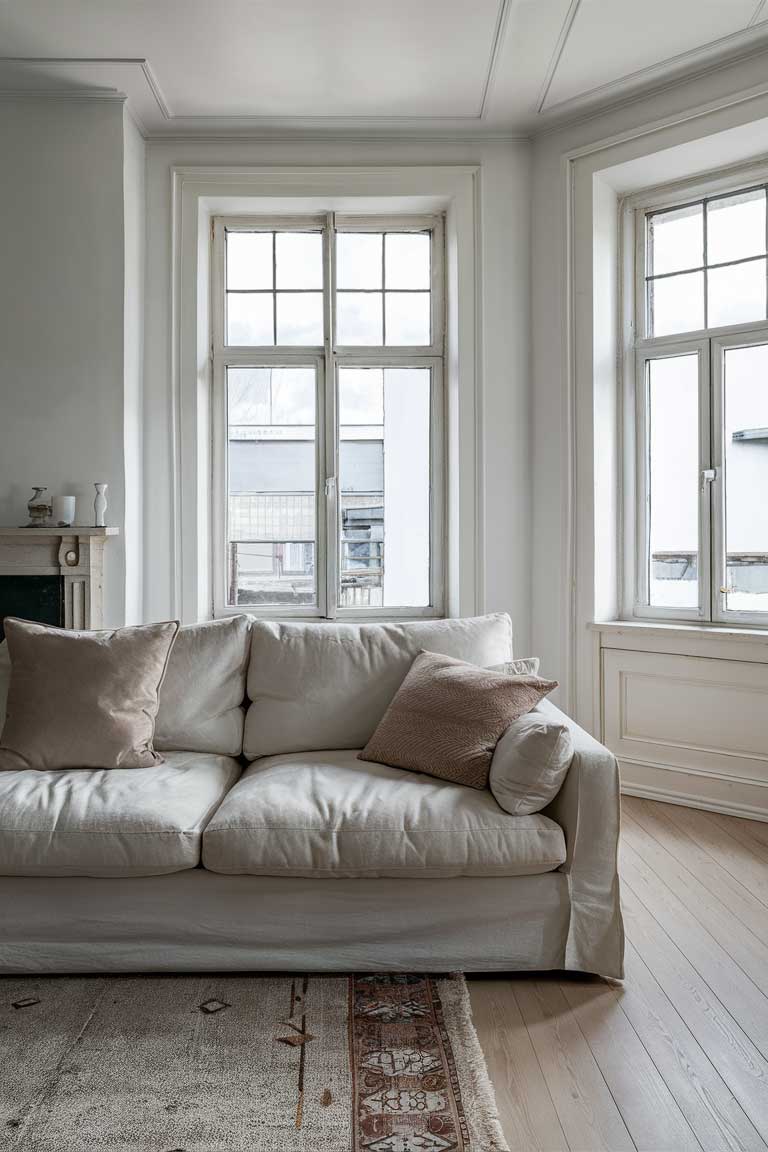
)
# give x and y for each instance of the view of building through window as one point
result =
(704, 399)
(379, 389)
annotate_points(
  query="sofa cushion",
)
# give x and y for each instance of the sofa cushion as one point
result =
(116, 822)
(82, 699)
(330, 814)
(202, 695)
(318, 686)
(530, 763)
(447, 717)
(5, 679)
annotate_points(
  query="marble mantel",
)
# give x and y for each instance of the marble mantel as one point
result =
(75, 553)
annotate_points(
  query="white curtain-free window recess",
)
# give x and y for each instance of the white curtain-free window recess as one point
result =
(328, 348)
(697, 352)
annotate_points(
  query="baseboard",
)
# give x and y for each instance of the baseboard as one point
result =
(694, 790)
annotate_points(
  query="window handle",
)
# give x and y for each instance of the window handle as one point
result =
(708, 476)
(330, 486)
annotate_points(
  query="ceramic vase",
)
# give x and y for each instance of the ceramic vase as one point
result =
(39, 508)
(100, 506)
(63, 511)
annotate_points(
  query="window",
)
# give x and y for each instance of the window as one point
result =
(328, 369)
(700, 348)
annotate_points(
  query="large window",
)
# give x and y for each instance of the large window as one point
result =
(328, 442)
(699, 342)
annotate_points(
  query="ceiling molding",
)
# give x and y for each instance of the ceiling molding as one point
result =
(252, 125)
(604, 92)
(556, 57)
(755, 18)
(502, 20)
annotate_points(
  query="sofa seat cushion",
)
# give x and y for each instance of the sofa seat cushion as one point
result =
(317, 686)
(330, 814)
(120, 822)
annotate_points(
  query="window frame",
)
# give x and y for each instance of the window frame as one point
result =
(636, 350)
(327, 359)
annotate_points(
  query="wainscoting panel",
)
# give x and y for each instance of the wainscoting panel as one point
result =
(688, 728)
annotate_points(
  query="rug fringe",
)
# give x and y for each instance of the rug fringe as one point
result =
(477, 1092)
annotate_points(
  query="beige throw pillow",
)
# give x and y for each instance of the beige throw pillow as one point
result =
(83, 699)
(447, 717)
(530, 763)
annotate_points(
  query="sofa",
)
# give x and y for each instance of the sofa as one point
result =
(263, 843)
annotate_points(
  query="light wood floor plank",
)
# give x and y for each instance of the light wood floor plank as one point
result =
(752, 833)
(588, 1113)
(717, 1119)
(735, 990)
(647, 1106)
(654, 819)
(734, 937)
(738, 1061)
(528, 1115)
(732, 855)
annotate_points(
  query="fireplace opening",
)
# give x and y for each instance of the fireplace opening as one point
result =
(39, 598)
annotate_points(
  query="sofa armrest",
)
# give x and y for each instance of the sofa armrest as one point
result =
(587, 808)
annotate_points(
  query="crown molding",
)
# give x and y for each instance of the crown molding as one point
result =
(640, 83)
(638, 97)
(109, 94)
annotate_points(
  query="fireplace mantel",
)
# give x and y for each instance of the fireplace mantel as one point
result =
(75, 553)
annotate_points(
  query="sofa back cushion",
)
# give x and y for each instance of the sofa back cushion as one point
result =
(202, 696)
(318, 686)
(5, 679)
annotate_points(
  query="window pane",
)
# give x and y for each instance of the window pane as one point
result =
(736, 293)
(300, 318)
(384, 483)
(299, 259)
(676, 240)
(676, 304)
(407, 317)
(407, 259)
(249, 260)
(249, 318)
(358, 259)
(272, 479)
(736, 227)
(745, 405)
(673, 453)
(359, 318)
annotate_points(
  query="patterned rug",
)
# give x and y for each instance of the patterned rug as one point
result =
(368, 1063)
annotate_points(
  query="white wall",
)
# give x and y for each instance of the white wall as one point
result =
(504, 225)
(61, 311)
(134, 188)
(688, 128)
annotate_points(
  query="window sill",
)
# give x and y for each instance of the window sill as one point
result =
(714, 640)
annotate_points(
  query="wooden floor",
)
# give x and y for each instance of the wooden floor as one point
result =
(676, 1057)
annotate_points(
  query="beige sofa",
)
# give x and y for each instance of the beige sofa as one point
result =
(264, 843)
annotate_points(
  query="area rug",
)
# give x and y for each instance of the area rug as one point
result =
(366, 1063)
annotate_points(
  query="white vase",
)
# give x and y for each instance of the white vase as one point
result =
(100, 506)
(63, 511)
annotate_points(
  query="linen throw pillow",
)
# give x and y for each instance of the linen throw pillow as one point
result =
(530, 763)
(447, 717)
(83, 699)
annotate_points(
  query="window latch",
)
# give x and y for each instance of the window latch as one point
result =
(330, 486)
(708, 476)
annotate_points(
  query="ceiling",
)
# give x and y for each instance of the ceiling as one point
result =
(486, 66)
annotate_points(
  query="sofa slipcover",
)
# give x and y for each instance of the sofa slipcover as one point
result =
(330, 814)
(325, 686)
(117, 822)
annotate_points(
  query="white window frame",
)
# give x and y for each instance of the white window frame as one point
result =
(636, 350)
(327, 359)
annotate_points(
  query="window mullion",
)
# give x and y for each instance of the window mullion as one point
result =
(328, 493)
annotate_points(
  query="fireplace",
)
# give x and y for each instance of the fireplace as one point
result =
(53, 575)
